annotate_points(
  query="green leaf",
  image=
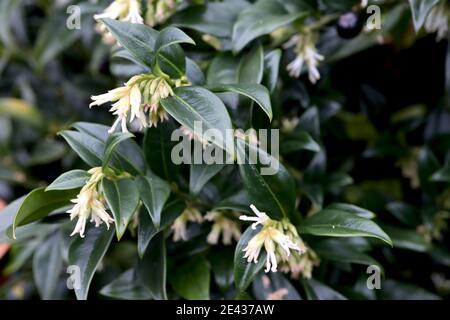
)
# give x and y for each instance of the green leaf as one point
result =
(259, 19)
(158, 148)
(88, 148)
(442, 175)
(223, 268)
(126, 287)
(396, 290)
(271, 191)
(47, 151)
(127, 156)
(170, 36)
(420, 10)
(407, 239)
(154, 192)
(299, 140)
(47, 266)
(191, 280)
(146, 229)
(191, 104)
(245, 272)
(138, 39)
(337, 223)
(200, 174)
(122, 197)
(337, 250)
(214, 18)
(316, 290)
(222, 69)
(251, 66)
(38, 204)
(152, 267)
(86, 254)
(351, 208)
(256, 92)
(271, 69)
(69, 180)
(111, 143)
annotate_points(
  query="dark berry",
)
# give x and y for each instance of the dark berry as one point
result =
(349, 25)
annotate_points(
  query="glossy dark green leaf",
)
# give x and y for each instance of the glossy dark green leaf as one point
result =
(154, 193)
(126, 287)
(256, 92)
(190, 104)
(122, 197)
(337, 223)
(222, 69)
(86, 254)
(146, 230)
(214, 18)
(407, 239)
(251, 66)
(259, 19)
(47, 266)
(69, 180)
(191, 280)
(316, 290)
(111, 143)
(88, 148)
(271, 190)
(299, 140)
(223, 268)
(351, 208)
(397, 290)
(38, 204)
(200, 174)
(158, 148)
(336, 250)
(138, 39)
(271, 69)
(245, 272)
(152, 269)
(404, 212)
(170, 36)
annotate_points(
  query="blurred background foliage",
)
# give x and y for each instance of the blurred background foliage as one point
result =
(380, 113)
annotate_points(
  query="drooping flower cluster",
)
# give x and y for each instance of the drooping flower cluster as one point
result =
(306, 51)
(139, 99)
(438, 21)
(123, 10)
(158, 11)
(277, 238)
(190, 214)
(90, 203)
(225, 225)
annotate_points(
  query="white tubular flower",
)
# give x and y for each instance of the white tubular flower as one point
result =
(222, 225)
(272, 237)
(89, 203)
(123, 10)
(306, 51)
(364, 3)
(438, 21)
(261, 217)
(190, 214)
(140, 95)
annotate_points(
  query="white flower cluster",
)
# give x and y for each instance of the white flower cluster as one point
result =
(90, 203)
(190, 214)
(139, 99)
(305, 48)
(123, 10)
(223, 225)
(277, 238)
